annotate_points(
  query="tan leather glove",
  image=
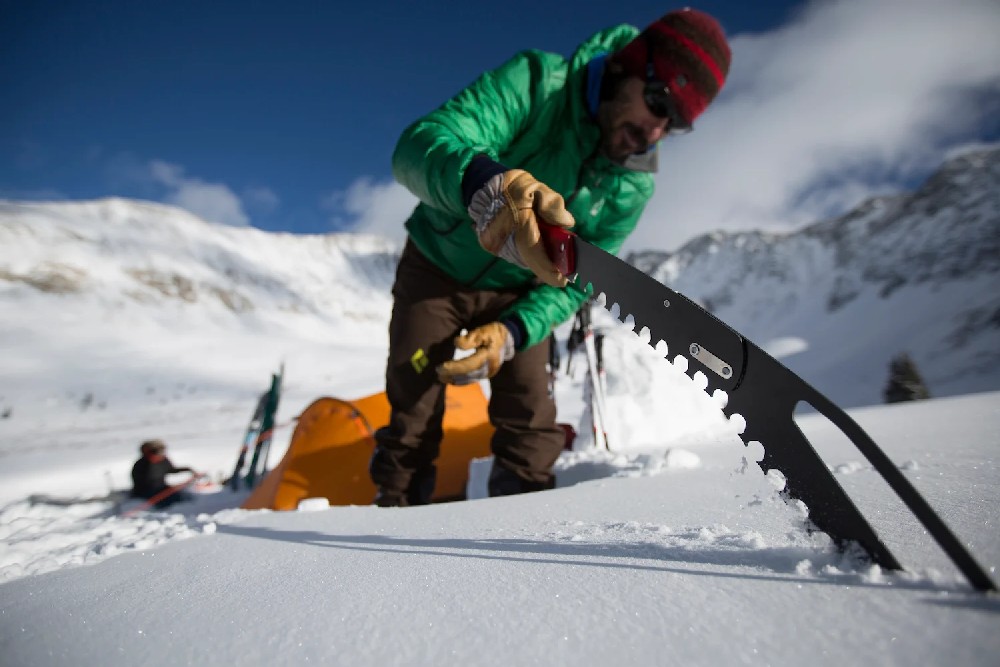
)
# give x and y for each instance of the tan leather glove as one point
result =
(493, 346)
(507, 211)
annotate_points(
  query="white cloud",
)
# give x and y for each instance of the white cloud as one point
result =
(373, 208)
(851, 97)
(264, 200)
(212, 201)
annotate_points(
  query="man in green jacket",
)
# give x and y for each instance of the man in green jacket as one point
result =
(570, 143)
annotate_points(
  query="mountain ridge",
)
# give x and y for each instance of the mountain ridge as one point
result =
(151, 253)
(937, 249)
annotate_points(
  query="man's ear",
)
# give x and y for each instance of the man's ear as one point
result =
(611, 82)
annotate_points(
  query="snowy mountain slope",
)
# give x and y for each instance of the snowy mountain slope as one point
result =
(918, 273)
(123, 301)
(119, 253)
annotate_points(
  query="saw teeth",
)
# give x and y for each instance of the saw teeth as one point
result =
(683, 364)
(720, 397)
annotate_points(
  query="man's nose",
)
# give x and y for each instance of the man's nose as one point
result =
(655, 134)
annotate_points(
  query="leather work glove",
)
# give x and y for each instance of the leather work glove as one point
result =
(493, 345)
(507, 211)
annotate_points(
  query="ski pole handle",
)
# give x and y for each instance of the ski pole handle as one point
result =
(560, 248)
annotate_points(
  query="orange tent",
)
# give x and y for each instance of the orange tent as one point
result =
(333, 442)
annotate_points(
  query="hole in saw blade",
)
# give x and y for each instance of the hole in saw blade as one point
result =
(721, 398)
(738, 422)
(681, 363)
(755, 451)
(700, 380)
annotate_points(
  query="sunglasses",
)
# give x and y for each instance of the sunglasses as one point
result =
(662, 104)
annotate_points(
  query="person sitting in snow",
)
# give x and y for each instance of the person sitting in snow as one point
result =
(149, 475)
(572, 143)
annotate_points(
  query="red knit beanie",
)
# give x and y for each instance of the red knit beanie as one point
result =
(689, 53)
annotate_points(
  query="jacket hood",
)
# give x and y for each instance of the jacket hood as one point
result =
(606, 41)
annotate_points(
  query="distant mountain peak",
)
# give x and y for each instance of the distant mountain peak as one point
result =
(936, 249)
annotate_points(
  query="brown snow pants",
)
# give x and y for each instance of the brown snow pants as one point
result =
(430, 308)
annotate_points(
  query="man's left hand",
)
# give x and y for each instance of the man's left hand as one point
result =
(493, 345)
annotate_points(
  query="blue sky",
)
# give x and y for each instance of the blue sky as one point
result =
(284, 115)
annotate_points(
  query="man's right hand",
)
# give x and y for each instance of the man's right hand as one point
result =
(507, 211)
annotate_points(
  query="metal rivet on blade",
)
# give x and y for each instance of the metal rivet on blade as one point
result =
(666, 303)
(710, 361)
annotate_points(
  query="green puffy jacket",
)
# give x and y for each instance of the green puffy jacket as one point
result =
(529, 113)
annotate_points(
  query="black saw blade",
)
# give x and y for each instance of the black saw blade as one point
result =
(765, 394)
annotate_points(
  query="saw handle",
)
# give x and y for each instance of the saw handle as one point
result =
(559, 247)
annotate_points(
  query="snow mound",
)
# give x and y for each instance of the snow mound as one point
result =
(38, 537)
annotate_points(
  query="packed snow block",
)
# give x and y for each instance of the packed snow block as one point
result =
(334, 439)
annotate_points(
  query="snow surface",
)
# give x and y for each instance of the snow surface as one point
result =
(673, 549)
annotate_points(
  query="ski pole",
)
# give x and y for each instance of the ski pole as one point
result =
(162, 495)
(598, 405)
(598, 408)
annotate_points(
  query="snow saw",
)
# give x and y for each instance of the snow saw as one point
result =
(763, 392)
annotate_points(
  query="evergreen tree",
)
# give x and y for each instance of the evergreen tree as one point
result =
(905, 382)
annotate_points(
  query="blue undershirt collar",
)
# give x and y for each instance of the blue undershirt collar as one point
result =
(595, 74)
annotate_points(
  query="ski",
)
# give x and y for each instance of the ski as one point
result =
(258, 462)
(761, 390)
(249, 440)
